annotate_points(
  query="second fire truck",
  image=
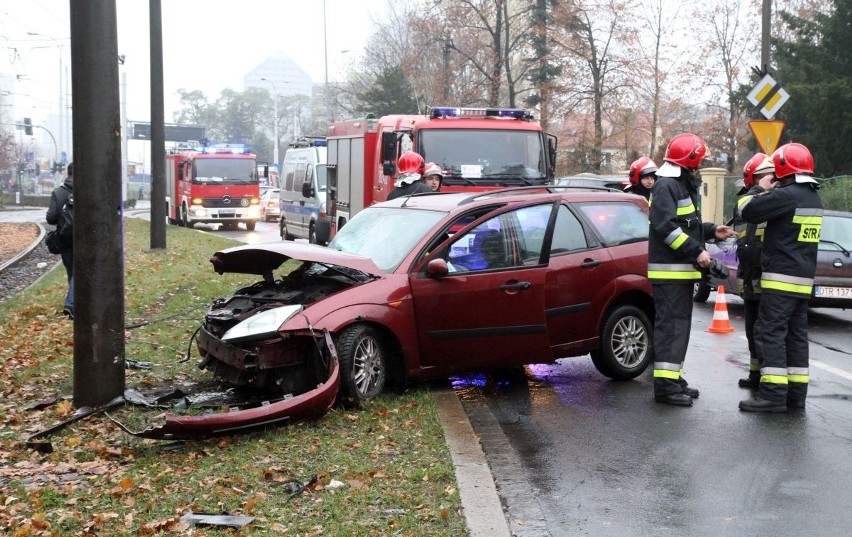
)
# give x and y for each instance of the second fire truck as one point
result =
(477, 148)
(216, 184)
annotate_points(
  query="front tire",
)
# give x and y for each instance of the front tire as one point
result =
(250, 225)
(285, 234)
(363, 364)
(626, 347)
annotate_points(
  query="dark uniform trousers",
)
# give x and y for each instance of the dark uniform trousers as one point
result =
(672, 324)
(751, 307)
(782, 322)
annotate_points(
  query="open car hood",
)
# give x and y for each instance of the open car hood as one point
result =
(262, 259)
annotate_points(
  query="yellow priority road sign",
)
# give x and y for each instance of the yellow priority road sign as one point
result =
(767, 133)
(768, 96)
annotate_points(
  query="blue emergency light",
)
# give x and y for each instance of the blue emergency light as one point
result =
(445, 111)
(235, 149)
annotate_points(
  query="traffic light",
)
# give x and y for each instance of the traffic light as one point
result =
(28, 126)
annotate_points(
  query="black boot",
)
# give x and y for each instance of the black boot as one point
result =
(676, 399)
(691, 392)
(757, 404)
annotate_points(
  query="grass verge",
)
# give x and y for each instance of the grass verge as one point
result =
(384, 470)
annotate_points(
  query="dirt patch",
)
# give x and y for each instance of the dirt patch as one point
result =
(15, 238)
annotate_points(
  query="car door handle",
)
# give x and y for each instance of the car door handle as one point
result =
(515, 286)
(302, 203)
(590, 263)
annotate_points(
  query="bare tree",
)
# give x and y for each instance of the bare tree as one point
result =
(729, 48)
(595, 41)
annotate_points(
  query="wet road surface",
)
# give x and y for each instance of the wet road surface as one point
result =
(574, 453)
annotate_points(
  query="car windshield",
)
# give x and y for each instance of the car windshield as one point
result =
(836, 233)
(470, 156)
(230, 171)
(385, 234)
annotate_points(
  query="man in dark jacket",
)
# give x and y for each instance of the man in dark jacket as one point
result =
(675, 256)
(58, 199)
(749, 247)
(792, 209)
(411, 166)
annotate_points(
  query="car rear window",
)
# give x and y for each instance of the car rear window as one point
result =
(617, 222)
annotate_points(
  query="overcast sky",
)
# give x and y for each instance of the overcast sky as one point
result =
(207, 45)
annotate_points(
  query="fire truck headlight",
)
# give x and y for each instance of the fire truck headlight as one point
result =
(197, 201)
(197, 211)
(255, 201)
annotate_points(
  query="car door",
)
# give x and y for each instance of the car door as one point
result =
(488, 311)
(579, 283)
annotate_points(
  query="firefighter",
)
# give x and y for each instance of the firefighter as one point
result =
(749, 245)
(642, 175)
(433, 176)
(675, 256)
(408, 182)
(792, 209)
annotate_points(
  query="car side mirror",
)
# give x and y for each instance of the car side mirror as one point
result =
(308, 189)
(437, 267)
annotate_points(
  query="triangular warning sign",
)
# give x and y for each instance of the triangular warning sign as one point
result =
(767, 133)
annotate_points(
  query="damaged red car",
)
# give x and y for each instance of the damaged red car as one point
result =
(437, 284)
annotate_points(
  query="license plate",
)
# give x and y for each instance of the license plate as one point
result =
(822, 291)
(226, 212)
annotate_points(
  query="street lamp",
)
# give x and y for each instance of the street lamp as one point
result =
(275, 128)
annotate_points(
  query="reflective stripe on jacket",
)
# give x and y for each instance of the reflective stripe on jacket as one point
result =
(676, 235)
(793, 215)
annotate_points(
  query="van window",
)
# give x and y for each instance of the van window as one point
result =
(301, 168)
(288, 174)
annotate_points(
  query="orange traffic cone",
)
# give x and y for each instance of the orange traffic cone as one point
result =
(721, 324)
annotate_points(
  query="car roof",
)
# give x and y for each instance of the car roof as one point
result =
(450, 201)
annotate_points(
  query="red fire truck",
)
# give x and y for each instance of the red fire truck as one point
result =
(478, 149)
(216, 184)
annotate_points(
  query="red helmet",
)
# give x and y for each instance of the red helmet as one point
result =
(686, 150)
(790, 159)
(759, 164)
(411, 162)
(641, 167)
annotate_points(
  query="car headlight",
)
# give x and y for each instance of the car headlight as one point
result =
(264, 324)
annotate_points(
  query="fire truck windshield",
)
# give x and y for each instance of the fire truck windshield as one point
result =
(480, 157)
(231, 171)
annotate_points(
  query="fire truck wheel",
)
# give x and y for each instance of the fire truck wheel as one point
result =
(250, 225)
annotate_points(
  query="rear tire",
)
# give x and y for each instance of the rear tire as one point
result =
(626, 347)
(363, 364)
(312, 236)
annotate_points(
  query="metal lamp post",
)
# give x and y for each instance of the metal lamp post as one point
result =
(275, 127)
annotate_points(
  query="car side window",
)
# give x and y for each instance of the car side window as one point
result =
(508, 240)
(531, 227)
(568, 234)
(617, 222)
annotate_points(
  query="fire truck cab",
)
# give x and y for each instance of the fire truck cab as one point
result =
(217, 184)
(477, 148)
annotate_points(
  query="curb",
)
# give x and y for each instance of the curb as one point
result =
(483, 511)
(30, 248)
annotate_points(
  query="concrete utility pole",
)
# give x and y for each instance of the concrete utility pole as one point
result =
(766, 21)
(98, 242)
(158, 129)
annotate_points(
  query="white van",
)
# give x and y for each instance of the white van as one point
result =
(303, 189)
